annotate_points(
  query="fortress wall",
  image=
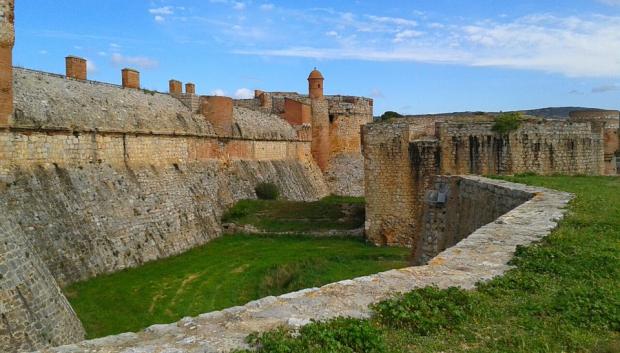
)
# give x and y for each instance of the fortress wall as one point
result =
(97, 218)
(34, 313)
(95, 179)
(345, 171)
(455, 207)
(95, 202)
(391, 184)
(402, 161)
(542, 148)
(46, 147)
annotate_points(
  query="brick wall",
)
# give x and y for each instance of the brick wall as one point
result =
(75, 68)
(130, 78)
(7, 39)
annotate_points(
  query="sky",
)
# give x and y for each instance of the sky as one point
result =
(412, 56)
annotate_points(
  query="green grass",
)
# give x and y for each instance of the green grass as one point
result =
(563, 295)
(332, 212)
(228, 271)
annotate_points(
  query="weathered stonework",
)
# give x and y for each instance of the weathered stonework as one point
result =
(608, 123)
(128, 178)
(484, 254)
(455, 207)
(403, 157)
(334, 124)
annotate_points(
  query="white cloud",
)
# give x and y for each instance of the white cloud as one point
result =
(239, 6)
(138, 61)
(393, 20)
(403, 36)
(244, 93)
(165, 10)
(606, 88)
(102, 53)
(159, 19)
(218, 92)
(331, 34)
(585, 46)
(267, 7)
(43, 52)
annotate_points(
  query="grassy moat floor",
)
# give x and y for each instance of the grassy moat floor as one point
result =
(235, 269)
(562, 296)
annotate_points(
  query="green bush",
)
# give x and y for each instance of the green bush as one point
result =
(507, 122)
(267, 191)
(390, 115)
(425, 310)
(341, 335)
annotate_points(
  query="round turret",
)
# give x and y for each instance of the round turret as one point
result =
(315, 84)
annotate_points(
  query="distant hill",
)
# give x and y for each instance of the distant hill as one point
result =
(554, 112)
(547, 113)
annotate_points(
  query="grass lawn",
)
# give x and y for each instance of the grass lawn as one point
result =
(228, 271)
(563, 295)
(332, 212)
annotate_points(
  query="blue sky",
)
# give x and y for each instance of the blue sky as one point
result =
(410, 56)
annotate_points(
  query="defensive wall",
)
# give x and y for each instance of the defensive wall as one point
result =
(481, 256)
(403, 158)
(98, 177)
(131, 177)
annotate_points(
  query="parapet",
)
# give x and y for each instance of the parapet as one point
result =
(296, 113)
(219, 112)
(75, 67)
(131, 78)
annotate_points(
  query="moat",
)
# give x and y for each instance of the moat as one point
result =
(238, 268)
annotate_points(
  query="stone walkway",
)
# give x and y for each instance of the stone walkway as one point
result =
(483, 255)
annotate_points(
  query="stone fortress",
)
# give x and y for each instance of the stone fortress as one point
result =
(411, 198)
(97, 177)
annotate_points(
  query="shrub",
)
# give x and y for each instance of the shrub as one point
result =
(507, 122)
(425, 310)
(340, 335)
(267, 191)
(390, 115)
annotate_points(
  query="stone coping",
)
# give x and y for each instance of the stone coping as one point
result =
(481, 256)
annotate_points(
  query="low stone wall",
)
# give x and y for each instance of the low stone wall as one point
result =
(481, 256)
(455, 207)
